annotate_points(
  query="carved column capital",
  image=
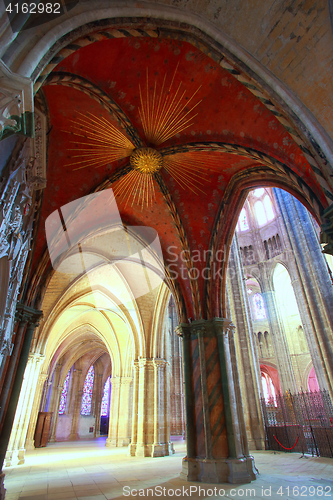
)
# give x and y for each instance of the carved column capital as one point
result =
(160, 363)
(205, 328)
(29, 315)
(16, 103)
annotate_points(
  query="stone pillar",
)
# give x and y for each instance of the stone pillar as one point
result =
(45, 395)
(217, 450)
(177, 417)
(246, 350)
(53, 401)
(42, 385)
(314, 278)
(151, 430)
(55, 412)
(120, 409)
(307, 322)
(98, 382)
(16, 446)
(29, 318)
(278, 334)
(75, 403)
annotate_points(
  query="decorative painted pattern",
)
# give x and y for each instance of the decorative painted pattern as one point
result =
(215, 398)
(207, 45)
(93, 91)
(184, 242)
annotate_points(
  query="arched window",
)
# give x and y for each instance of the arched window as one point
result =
(260, 343)
(278, 242)
(87, 392)
(251, 258)
(312, 381)
(267, 342)
(268, 208)
(105, 399)
(268, 388)
(258, 192)
(242, 221)
(63, 397)
(260, 213)
(258, 306)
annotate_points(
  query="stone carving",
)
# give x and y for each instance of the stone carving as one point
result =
(6, 348)
(25, 174)
(36, 169)
(10, 111)
(16, 103)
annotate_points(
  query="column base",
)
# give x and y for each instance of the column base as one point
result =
(8, 458)
(151, 450)
(2, 486)
(74, 436)
(21, 456)
(111, 442)
(223, 470)
(30, 444)
(256, 444)
(15, 457)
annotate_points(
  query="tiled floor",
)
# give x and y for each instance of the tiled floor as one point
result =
(87, 470)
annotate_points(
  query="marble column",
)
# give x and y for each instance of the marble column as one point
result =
(217, 449)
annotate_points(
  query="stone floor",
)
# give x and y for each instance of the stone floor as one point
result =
(87, 470)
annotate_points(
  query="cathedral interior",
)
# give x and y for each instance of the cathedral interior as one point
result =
(166, 237)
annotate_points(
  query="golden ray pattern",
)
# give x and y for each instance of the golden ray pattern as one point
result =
(164, 112)
(191, 168)
(107, 143)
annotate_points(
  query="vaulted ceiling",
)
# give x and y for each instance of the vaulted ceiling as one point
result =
(231, 134)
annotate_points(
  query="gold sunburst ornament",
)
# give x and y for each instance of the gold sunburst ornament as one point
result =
(147, 161)
(164, 112)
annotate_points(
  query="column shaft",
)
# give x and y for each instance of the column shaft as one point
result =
(219, 453)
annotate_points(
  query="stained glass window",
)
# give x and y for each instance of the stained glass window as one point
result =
(63, 397)
(268, 208)
(243, 224)
(87, 392)
(259, 307)
(105, 399)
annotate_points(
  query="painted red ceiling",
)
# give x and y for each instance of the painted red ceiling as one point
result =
(228, 113)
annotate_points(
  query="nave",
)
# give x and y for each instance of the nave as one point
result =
(87, 470)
